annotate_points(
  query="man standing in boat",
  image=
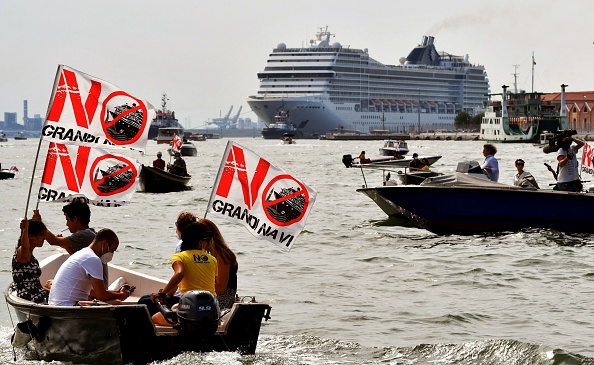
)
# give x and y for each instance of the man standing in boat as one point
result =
(568, 178)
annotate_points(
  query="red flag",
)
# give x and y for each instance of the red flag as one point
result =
(87, 111)
(177, 143)
(587, 156)
(272, 204)
(104, 178)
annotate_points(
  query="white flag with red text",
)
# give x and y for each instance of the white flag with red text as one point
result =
(270, 203)
(104, 178)
(587, 156)
(88, 111)
(177, 143)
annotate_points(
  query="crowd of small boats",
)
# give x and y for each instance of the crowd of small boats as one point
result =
(467, 202)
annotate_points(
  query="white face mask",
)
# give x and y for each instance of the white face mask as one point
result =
(106, 257)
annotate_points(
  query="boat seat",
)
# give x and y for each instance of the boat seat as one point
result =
(165, 330)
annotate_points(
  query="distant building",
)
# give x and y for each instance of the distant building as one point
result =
(35, 123)
(579, 106)
(10, 121)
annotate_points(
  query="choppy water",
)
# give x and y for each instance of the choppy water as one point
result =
(358, 287)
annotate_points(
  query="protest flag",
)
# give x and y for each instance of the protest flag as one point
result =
(272, 204)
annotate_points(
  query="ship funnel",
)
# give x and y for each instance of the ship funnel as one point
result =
(504, 102)
(563, 111)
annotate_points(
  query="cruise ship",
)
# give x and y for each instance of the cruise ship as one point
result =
(326, 86)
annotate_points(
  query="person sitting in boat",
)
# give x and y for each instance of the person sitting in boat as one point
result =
(179, 166)
(226, 285)
(189, 274)
(424, 165)
(491, 166)
(25, 267)
(78, 217)
(159, 162)
(398, 155)
(184, 219)
(523, 178)
(568, 178)
(363, 159)
(415, 163)
(81, 276)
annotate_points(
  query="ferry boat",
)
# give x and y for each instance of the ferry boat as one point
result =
(164, 118)
(522, 117)
(327, 86)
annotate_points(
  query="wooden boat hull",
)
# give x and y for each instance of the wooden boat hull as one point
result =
(154, 180)
(123, 334)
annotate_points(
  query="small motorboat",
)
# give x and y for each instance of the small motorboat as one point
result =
(95, 332)
(288, 138)
(187, 149)
(392, 147)
(385, 162)
(8, 174)
(20, 136)
(155, 180)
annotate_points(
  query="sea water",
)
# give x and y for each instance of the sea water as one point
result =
(357, 287)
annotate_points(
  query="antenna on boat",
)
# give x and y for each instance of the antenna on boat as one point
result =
(516, 78)
(533, 63)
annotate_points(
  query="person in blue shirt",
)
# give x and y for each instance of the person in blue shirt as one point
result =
(491, 166)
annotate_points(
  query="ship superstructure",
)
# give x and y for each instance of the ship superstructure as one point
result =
(164, 118)
(327, 86)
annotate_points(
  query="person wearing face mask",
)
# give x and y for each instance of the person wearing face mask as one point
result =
(81, 275)
(78, 215)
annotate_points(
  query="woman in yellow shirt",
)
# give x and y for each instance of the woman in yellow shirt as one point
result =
(193, 268)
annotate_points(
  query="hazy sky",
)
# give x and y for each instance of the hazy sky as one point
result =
(205, 54)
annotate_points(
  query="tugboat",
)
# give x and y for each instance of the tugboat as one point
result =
(164, 118)
(282, 125)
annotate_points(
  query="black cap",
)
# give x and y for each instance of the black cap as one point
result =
(415, 154)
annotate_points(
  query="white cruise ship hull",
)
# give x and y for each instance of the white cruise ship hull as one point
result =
(326, 87)
(317, 115)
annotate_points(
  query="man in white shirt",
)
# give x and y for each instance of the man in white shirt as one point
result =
(82, 273)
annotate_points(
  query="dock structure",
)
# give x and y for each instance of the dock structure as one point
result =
(433, 136)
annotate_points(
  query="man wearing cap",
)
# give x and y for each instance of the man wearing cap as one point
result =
(159, 162)
(415, 164)
(179, 166)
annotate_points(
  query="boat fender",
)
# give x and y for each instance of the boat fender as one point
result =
(23, 333)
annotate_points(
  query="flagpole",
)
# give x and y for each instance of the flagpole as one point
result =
(56, 79)
(218, 178)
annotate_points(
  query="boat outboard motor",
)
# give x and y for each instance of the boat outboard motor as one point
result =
(198, 313)
(347, 160)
